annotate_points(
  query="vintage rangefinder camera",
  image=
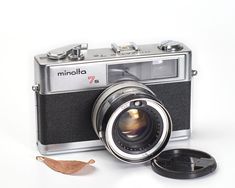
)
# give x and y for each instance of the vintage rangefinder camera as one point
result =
(131, 99)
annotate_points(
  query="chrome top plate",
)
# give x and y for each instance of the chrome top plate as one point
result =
(107, 54)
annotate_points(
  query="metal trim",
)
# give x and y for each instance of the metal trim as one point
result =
(180, 135)
(91, 145)
(69, 147)
(44, 79)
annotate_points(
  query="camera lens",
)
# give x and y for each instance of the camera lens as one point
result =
(137, 130)
(133, 125)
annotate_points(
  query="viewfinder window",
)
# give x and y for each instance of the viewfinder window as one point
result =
(143, 71)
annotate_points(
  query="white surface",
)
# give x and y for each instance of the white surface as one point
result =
(28, 28)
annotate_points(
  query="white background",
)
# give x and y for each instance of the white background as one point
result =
(31, 27)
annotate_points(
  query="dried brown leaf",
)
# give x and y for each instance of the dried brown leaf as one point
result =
(65, 167)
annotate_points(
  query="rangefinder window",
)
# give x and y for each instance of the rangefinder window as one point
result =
(143, 71)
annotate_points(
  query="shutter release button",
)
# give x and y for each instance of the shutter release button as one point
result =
(170, 46)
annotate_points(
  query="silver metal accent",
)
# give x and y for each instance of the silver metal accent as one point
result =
(130, 47)
(101, 58)
(69, 147)
(108, 53)
(74, 77)
(60, 53)
(194, 72)
(36, 88)
(51, 83)
(76, 52)
(137, 103)
(63, 52)
(52, 149)
(171, 46)
(180, 135)
(134, 46)
(115, 48)
(167, 127)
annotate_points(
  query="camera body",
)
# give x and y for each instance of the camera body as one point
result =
(69, 80)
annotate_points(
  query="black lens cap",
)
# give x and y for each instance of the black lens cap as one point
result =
(183, 164)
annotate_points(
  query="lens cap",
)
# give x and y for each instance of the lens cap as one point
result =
(183, 164)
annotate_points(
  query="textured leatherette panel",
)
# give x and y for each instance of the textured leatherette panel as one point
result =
(66, 117)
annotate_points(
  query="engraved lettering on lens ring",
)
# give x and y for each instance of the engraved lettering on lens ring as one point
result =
(167, 127)
(72, 73)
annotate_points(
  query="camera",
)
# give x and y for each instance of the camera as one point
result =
(130, 99)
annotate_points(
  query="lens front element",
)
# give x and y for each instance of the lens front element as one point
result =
(137, 130)
(133, 124)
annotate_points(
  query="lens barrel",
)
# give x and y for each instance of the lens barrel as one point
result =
(133, 125)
